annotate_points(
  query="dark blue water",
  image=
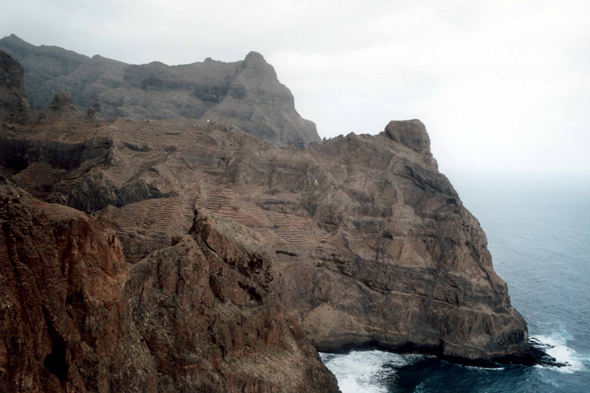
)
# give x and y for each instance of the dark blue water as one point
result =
(538, 231)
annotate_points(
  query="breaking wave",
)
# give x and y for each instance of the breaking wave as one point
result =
(366, 371)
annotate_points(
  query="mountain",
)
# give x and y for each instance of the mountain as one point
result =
(246, 92)
(13, 96)
(187, 255)
(198, 314)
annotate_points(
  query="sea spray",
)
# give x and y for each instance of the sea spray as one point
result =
(366, 371)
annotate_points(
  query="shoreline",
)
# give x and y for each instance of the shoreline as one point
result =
(535, 355)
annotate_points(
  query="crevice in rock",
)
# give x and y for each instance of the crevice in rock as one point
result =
(56, 362)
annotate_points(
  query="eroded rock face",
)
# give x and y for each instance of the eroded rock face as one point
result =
(246, 92)
(63, 277)
(373, 245)
(13, 97)
(42, 64)
(212, 259)
(197, 316)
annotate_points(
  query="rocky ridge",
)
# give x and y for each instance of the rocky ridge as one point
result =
(197, 314)
(194, 316)
(13, 97)
(357, 241)
(246, 92)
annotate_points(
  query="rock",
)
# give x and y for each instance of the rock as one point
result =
(62, 105)
(13, 97)
(260, 105)
(373, 247)
(63, 277)
(411, 133)
(42, 64)
(75, 318)
(213, 260)
(246, 92)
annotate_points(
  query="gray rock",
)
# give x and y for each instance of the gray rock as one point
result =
(246, 92)
(42, 64)
(13, 97)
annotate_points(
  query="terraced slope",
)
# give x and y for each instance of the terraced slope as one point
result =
(373, 246)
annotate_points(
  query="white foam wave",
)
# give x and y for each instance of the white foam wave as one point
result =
(555, 345)
(477, 368)
(365, 371)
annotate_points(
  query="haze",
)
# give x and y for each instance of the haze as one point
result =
(502, 86)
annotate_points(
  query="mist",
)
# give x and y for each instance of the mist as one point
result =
(503, 87)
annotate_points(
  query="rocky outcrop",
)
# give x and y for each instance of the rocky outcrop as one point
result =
(246, 92)
(196, 316)
(13, 97)
(373, 245)
(42, 65)
(212, 261)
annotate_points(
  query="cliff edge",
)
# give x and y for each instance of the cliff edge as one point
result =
(185, 254)
(245, 92)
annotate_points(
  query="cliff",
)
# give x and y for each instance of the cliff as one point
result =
(13, 96)
(195, 314)
(188, 255)
(246, 92)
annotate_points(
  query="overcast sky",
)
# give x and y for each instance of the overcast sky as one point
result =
(502, 86)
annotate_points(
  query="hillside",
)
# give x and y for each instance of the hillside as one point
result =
(245, 92)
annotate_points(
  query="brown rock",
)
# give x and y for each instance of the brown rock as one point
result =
(60, 108)
(63, 277)
(74, 318)
(373, 246)
(240, 254)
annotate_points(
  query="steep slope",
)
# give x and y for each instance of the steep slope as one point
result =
(233, 249)
(13, 97)
(246, 92)
(194, 314)
(373, 245)
(42, 65)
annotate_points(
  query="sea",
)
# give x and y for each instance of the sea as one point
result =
(538, 230)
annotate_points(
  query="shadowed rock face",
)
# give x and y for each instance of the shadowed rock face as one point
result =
(42, 64)
(246, 92)
(13, 97)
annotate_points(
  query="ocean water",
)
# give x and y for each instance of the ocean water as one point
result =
(538, 230)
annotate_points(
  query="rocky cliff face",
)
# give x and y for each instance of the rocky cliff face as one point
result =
(246, 92)
(42, 65)
(195, 313)
(194, 316)
(13, 97)
(373, 246)
(208, 259)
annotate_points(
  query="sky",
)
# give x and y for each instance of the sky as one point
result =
(502, 86)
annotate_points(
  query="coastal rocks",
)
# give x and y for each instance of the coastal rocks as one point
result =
(204, 310)
(373, 247)
(63, 275)
(74, 317)
(209, 260)
(246, 92)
